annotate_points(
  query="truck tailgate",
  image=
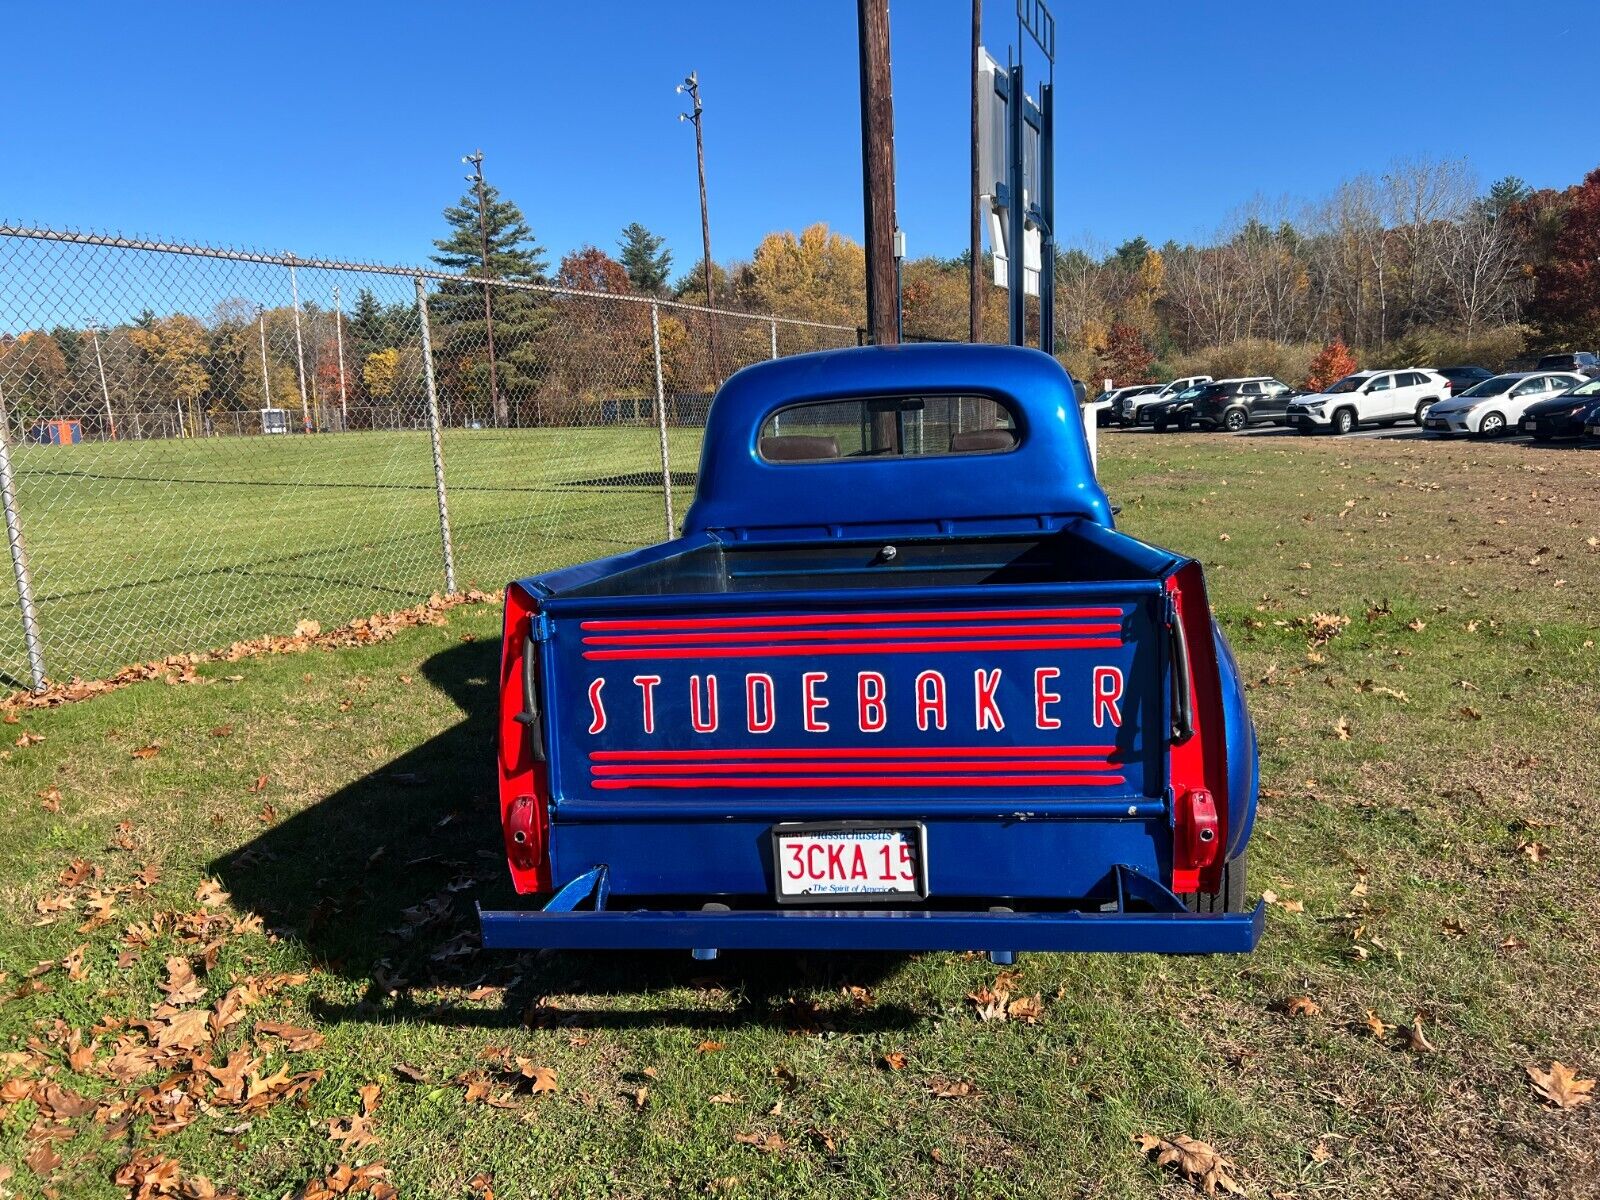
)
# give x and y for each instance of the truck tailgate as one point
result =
(861, 704)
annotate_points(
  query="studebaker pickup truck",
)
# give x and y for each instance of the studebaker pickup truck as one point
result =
(900, 684)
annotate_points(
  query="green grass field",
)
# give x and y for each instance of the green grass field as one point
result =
(1428, 829)
(139, 549)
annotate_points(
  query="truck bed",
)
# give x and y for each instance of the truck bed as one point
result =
(949, 678)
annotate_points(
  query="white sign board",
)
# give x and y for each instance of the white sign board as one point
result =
(994, 170)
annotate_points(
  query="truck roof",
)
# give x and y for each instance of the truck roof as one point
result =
(1046, 473)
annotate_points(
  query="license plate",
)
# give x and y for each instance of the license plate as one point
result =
(850, 861)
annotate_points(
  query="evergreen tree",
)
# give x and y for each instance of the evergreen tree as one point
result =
(460, 333)
(1503, 195)
(644, 259)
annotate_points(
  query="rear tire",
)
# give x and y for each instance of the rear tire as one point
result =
(1161, 426)
(1229, 898)
(1422, 407)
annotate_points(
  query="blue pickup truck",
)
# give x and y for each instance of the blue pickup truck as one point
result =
(899, 685)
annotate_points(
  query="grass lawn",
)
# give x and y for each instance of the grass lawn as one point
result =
(139, 549)
(1429, 829)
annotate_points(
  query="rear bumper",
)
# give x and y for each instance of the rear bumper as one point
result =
(877, 929)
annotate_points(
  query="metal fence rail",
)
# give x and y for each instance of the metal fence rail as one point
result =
(201, 444)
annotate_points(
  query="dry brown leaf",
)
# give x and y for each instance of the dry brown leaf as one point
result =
(73, 962)
(1415, 1040)
(294, 1038)
(1301, 1006)
(766, 1143)
(28, 738)
(409, 1073)
(991, 1005)
(1561, 1085)
(709, 1047)
(895, 1060)
(210, 893)
(260, 785)
(182, 987)
(1027, 1009)
(1198, 1162)
(540, 1079)
(725, 1098)
(953, 1089)
(222, 731)
(50, 799)
(1376, 1026)
(352, 1133)
(150, 751)
(1536, 852)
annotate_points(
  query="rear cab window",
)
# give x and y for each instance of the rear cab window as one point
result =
(888, 427)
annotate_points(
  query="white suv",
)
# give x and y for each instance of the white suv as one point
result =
(1368, 397)
(1130, 410)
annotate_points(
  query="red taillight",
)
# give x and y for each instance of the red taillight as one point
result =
(1198, 759)
(523, 772)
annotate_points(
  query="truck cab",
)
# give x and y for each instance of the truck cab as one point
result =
(899, 684)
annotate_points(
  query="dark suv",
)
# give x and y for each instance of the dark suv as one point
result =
(1585, 362)
(1232, 404)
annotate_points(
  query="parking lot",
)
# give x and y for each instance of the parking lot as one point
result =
(1404, 432)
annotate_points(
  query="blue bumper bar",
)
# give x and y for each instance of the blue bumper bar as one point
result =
(876, 929)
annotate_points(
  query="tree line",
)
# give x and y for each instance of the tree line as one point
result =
(1412, 266)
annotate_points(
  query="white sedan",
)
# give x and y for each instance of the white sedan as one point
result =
(1489, 408)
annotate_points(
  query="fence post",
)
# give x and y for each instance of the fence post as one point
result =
(438, 448)
(19, 555)
(774, 324)
(661, 418)
(338, 333)
(299, 348)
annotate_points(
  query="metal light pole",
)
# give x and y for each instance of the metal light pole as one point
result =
(691, 85)
(105, 392)
(502, 415)
(266, 379)
(338, 337)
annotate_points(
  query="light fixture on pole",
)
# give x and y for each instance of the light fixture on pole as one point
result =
(691, 86)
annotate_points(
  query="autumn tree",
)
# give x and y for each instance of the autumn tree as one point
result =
(1332, 363)
(175, 347)
(32, 374)
(1566, 301)
(460, 332)
(645, 259)
(819, 275)
(1126, 355)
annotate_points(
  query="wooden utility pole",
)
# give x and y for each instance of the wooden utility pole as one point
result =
(877, 169)
(975, 280)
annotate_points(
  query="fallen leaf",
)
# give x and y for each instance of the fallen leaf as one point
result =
(1342, 729)
(150, 751)
(182, 987)
(1415, 1040)
(1537, 852)
(725, 1098)
(1376, 1026)
(953, 1089)
(210, 893)
(50, 799)
(1301, 1006)
(895, 1060)
(222, 731)
(766, 1143)
(709, 1047)
(409, 1073)
(1561, 1085)
(73, 962)
(1027, 1009)
(294, 1038)
(1198, 1162)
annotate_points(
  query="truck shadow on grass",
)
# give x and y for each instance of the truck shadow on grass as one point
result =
(378, 884)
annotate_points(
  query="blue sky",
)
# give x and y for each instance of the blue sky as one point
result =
(337, 128)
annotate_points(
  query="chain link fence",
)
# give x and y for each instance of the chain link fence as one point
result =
(199, 445)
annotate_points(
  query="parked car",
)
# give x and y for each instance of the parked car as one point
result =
(1132, 408)
(1105, 404)
(1565, 415)
(1592, 429)
(1367, 397)
(1496, 405)
(1585, 362)
(1177, 412)
(1461, 378)
(821, 718)
(1232, 404)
